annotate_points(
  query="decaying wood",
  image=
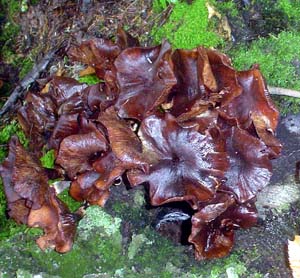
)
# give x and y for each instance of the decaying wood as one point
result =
(284, 92)
(20, 90)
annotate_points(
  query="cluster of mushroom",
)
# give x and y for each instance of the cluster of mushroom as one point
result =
(184, 122)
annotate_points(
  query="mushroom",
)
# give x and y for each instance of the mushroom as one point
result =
(76, 151)
(185, 165)
(203, 133)
(32, 202)
(213, 225)
(145, 77)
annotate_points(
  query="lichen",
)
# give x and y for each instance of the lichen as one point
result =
(187, 27)
(137, 242)
(100, 252)
(139, 199)
(279, 196)
(97, 218)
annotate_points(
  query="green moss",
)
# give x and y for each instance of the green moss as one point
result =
(98, 246)
(125, 210)
(279, 62)
(160, 5)
(232, 266)
(34, 2)
(48, 159)
(9, 11)
(155, 252)
(187, 26)
(13, 128)
(137, 242)
(290, 10)
(89, 79)
(8, 32)
(99, 249)
(6, 133)
(68, 200)
(226, 7)
(25, 66)
(290, 7)
(259, 18)
(10, 7)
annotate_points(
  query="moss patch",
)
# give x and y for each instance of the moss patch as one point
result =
(187, 27)
(10, 11)
(48, 159)
(68, 200)
(260, 18)
(90, 79)
(99, 251)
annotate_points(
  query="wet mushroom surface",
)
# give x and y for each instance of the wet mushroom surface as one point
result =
(183, 123)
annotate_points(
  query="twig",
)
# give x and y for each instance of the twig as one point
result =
(284, 92)
(19, 91)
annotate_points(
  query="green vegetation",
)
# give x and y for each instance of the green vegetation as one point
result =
(278, 57)
(282, 15)
(187, 27)
(226, 7)
(160, 5)
(48, 159)
(68, 200)
(9, 11)
(7, 132)
(131, 210)
(264, 17)
(292, 9)
(99, 249)
(90, 79)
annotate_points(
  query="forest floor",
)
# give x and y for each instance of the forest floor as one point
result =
(32, 29)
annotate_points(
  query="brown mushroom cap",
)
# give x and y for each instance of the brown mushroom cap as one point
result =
(32, 202)
(204, 134)
(185, 165)
(145, 77)
(77, 150)
(250, 168)
(123, 141)
(213, 225)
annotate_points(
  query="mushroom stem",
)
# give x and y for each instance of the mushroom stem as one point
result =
(284, 92)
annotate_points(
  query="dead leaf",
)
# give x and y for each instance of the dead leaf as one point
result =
(294, 256)
(87, 71)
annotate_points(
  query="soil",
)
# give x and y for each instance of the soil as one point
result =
(54, 25)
